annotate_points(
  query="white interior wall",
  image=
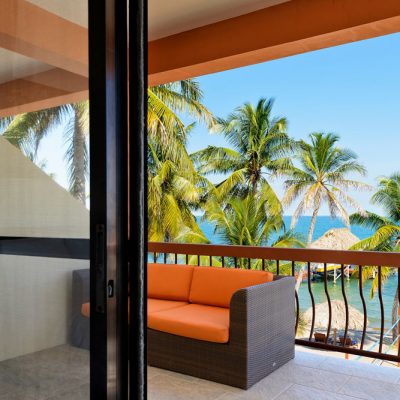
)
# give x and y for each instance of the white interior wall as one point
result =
(35, 292)
(32, 204)
(35, 303)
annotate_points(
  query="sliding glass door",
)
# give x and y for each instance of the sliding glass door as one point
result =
(72, 233)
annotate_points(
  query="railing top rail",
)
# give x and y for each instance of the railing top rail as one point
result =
(372, 258)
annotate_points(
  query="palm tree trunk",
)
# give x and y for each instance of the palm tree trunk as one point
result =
(78, 160)
(310, 235)
(312, 225)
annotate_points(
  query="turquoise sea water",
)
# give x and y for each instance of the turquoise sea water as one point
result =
(353, 298)
(323, 224)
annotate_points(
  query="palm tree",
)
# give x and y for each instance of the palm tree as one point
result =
(322, 177)
(261, 148)
(387, 231)
(27, 130)
(175, 188)
(247, 222)
(166, 101)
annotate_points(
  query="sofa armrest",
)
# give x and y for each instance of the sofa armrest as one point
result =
(263, 315)
(80, 288)
(80, 330)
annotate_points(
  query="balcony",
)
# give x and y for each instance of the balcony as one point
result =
(364, 369)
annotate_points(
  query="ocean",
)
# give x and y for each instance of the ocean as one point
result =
(323, 224)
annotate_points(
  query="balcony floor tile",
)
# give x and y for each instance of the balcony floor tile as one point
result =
(62, 373)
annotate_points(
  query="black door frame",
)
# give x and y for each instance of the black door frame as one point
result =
(108, 85)
(118, 224)
(138, 70)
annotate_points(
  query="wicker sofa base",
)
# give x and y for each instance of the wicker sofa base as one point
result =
(211, 361)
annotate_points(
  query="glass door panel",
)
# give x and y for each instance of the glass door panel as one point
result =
(45, 200)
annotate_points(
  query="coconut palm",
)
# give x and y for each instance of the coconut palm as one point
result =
(322, 176)
(387, 229)
(386, 235)
(260, 149)
(174, 190)
(27, 130)
(166, 102)
(247, 222)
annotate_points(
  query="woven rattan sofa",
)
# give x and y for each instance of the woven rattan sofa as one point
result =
(225, 325)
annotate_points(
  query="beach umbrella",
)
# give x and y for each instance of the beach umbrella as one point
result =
(335, 239)
(356, 318)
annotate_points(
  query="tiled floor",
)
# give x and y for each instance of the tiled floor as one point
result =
(62, 373)
(309, 376)
(59, 373)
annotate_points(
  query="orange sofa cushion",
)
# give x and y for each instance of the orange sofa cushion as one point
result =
(193, 321)
(157, 305)
(169, 281)
(216, 286)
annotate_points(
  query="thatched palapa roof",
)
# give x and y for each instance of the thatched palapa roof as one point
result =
(335, 239)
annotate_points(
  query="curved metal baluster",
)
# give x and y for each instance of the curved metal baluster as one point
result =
(198, 260)
(223, 261)
(277, 267)
(296, 296)
(176, 258)
(210, 261)
(346, 327)
(263, 264)
(382, 308)
(364, 307)
(187, 258)
(236, 264)
(329, 304)
(165, 258)
(154, 258)
(312, 299)
(398, 294)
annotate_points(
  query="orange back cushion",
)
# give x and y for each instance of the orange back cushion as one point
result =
(169, 281)
(216, 286)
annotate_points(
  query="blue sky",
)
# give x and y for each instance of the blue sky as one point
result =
(352, 90)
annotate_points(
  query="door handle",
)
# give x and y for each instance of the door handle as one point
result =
(100, 269)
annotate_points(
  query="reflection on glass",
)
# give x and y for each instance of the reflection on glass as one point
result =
(44, 193)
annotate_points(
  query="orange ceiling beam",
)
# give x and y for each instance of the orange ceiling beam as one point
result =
(295, 27)
(36, 33)
(43, 90)
(283, 30)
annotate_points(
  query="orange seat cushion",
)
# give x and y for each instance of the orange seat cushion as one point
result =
(193, 321)
(169, 281)
(216, 286)
(85, 310)
(157, 305)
